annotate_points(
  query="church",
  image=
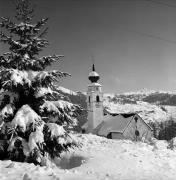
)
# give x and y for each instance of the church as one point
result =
(113, 126)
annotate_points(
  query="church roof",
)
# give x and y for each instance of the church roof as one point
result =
(114, 124)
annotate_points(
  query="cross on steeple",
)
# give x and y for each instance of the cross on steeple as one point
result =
(93, 67)
(93, 63)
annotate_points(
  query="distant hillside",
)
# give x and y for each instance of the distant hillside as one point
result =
(76, 98)
(152, 106)
(159, 98)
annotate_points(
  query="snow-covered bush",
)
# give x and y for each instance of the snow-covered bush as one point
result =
(35, 120)
(159, 144)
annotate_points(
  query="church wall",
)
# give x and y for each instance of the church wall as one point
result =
(144, 131)
(95, 117)
(95, 106)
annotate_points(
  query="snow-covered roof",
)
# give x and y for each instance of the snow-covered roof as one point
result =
(116, 123)
(113, 124)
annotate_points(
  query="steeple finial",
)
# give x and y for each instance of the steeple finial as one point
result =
(93, 67)
(93, 63)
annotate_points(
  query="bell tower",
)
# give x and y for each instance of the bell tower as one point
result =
(94, 101)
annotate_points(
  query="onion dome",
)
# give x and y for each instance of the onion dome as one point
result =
(93, 76)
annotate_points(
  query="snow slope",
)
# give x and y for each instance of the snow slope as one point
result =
(149, 112)
(101, 159)
(135, 102)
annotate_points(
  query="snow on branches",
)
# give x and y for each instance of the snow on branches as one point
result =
(35, 121)
(45, 78)
(12, 96)
(25, 117)
(56, 130)
(63, 110)
(13, 77)
(7, 111)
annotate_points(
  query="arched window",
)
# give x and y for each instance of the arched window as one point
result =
(89, 99)
(136, 119)
(97, 98)
(137, 133)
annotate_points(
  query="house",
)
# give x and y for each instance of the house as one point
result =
(124, 126)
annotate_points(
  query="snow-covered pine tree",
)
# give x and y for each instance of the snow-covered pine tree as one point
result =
(34, 124)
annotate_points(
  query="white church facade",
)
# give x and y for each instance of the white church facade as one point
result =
(114, 126)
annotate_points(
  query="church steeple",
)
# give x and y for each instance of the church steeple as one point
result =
(94, 101)
(93, 76)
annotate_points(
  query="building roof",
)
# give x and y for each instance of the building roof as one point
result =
(109, 112)
(114, 124)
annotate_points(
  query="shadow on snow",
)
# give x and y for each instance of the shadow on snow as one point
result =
(70, 162)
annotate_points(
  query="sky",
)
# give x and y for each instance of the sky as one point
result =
(133, 42)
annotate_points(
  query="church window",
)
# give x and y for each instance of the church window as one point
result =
(97, 98)
(97, 88)
(137, 133)
(89, 99)
(136, 119)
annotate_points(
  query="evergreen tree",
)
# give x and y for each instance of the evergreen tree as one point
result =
(167, 130)
(35, 120)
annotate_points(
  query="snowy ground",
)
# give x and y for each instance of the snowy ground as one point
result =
(102, 159)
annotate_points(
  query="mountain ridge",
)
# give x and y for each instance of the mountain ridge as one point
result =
(152, 106)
